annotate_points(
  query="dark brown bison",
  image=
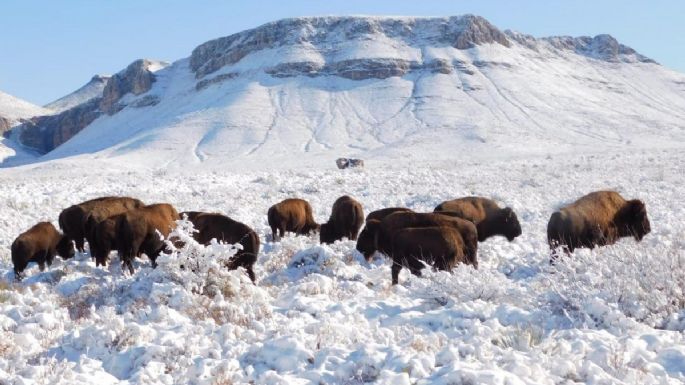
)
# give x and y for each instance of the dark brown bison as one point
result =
(72, 220)
(401, 220)
(367, 238)
(142, 230)
(347, 217)
(224, 229)
(105, 209)
(488, 217)
(106, 238)
(597, 219)
(441, 247)
(293, 215)
(39, 244)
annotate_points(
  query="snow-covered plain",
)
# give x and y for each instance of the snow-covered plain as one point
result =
(321, 315)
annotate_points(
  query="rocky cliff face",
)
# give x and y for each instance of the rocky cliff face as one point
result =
(326, 35)
(335, 78)
(136, 79)
(44, 133)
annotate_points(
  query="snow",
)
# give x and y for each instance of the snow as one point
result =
(322, 314)
(90, 90)
(495, 99)
(13, 108)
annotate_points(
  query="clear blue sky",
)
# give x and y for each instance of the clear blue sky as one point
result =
(49, 48)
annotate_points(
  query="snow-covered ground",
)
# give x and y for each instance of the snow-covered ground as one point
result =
(321, 315)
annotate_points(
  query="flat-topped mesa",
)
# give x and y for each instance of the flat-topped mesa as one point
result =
(325, 34)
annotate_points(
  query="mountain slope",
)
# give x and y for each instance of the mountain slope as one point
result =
(312, 89)
(92, 89)
(12, 111)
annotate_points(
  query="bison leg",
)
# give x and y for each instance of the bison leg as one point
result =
(395, 271)
(80, 245)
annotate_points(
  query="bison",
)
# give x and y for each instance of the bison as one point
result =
(597, 219)
(400, 220)
(106, 238)
(141, 231)
(346, 219)
(367, 237)
(39, 244)
(106, 209)
(72, 220)
(293, 215)
(488, 217)
(224, 229)
(441, 247)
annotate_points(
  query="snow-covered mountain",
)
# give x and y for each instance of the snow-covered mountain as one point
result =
(92, 89)
(13, 109)
(316, 88)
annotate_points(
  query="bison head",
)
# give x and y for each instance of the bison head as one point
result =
(636, 219)
(65, 247)
(327, 233)
(366, 242)
(512, 227)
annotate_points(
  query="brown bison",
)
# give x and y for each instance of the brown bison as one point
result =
(140, 230)
(441, 247)
(347, 217)
(106, 209)
(293, 215)
(488, 217)
(367, 238)
(597, 219)
(401, 220)
(106, 238)
(224, 229)
(72, 220)
(39, 244)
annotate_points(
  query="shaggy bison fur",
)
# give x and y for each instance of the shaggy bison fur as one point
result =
(106, 238)
(105, 209)
(224, 229)
(72, 220)
(597, 219)
(39, 244)
(488, 217)
(401, 220)
(367, 238)
(140, 231)
(441, 247)
(293, 215)
(347, 217)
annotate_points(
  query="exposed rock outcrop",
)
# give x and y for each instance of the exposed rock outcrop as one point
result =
(4, 125)
(137, 79)
(324, 33)
(44, 133)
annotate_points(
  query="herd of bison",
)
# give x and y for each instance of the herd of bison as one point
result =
(447, 236)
